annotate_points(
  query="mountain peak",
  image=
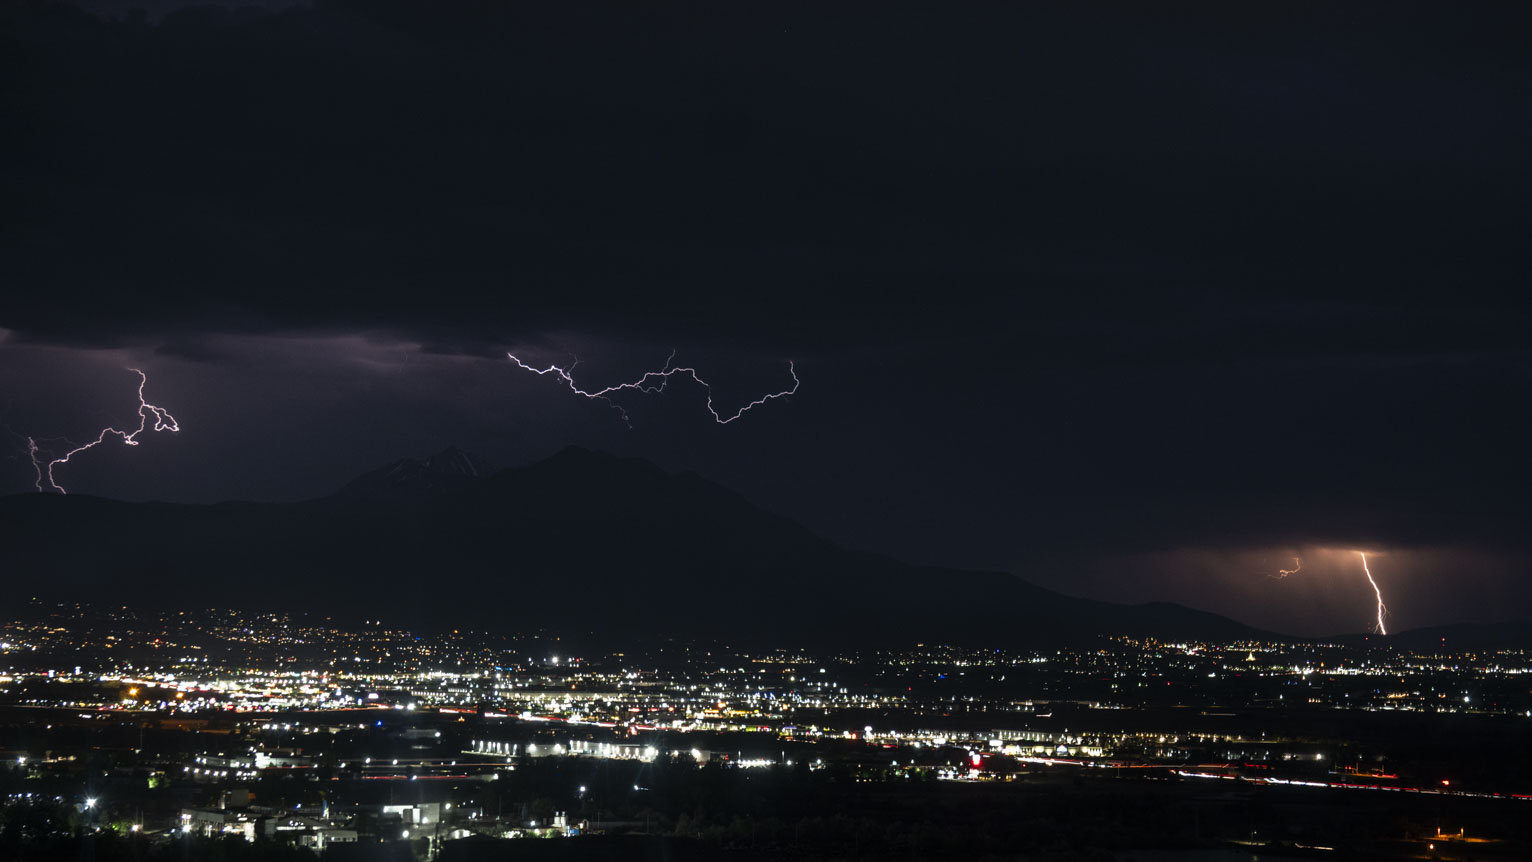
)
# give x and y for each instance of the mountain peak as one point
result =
(577, 460)
(455, 461)
(448, 470)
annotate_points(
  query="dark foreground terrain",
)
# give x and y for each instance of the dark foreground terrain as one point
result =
(690, 813)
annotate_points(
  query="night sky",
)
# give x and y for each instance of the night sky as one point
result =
(1136, 301)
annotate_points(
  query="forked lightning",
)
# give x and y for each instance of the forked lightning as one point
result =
(163, 421)
(653, 382)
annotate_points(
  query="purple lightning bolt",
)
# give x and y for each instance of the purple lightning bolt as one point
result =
(163, 421)
(652, 382)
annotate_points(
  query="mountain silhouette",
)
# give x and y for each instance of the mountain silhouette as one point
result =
(409, 479)
(582, 542)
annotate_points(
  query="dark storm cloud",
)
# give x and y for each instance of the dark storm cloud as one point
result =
(471, 174)
(1103, 278)
(196, 349)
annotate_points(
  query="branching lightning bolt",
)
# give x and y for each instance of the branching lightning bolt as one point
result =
(163, 421)
(1297, 567)
(651, 382)
(1382, 609)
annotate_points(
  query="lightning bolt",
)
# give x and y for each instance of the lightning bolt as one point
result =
(652, 382)
(1382, 609)
(1297, 567)
(163, 421)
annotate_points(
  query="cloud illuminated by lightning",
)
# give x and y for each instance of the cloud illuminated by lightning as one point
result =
(163, 421)
(651, 382)
(1382, 609)
(1297, 567)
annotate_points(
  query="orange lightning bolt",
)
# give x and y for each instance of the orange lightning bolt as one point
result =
(1382, 609)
